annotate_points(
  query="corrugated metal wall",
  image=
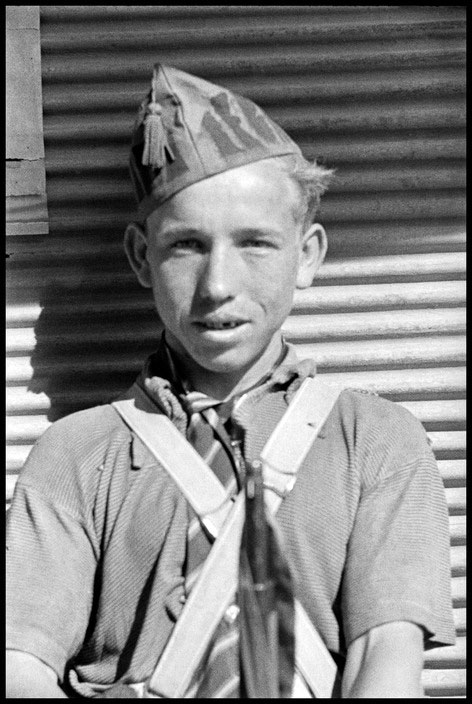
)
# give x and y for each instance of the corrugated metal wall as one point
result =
(377, 92)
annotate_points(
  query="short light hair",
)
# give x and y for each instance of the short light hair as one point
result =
(312, 179)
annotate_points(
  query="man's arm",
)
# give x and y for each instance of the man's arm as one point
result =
(385, 663)
(27, 676)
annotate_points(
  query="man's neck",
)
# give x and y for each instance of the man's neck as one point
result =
(225, 385)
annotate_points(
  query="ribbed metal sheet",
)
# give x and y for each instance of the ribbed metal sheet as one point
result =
(378, 92)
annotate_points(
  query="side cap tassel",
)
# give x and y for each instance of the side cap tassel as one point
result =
(155, 139)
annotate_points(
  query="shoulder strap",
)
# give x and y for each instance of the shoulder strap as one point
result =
(293, 437)
(210, 597)
(284, 452)
(207, 495)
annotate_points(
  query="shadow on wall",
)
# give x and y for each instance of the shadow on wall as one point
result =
(90, 343)
(97, 325)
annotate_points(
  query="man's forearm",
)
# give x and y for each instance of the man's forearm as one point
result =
(383, 682)
(385, 663)
(27, 676)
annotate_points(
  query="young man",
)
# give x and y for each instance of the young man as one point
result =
(101, 554)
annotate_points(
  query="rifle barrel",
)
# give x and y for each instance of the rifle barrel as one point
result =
(259, 591)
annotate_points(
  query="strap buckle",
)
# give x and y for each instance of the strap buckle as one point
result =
(283, 493)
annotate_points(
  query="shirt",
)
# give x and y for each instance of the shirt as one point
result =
(96, 536)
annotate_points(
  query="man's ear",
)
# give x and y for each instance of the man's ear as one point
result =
(313, 251)
(135, 244)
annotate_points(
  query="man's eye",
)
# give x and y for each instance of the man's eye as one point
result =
(256, 243)
(189, 244)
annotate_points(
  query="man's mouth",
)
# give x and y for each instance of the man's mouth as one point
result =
(220, 324)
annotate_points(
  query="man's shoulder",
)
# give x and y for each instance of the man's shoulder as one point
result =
(368, 406)
(87, 426)
(358, 400)
(61, 468)
(362, 418)
(385, 415)
(365, 401)
(78, 442)
(359, 405)
(385, 436)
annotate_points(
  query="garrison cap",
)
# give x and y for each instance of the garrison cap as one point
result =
(188, 129)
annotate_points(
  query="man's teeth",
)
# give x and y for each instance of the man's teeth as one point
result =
(222, 326)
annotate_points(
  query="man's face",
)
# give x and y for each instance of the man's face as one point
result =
(223, 258)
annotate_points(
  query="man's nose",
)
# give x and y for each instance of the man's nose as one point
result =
(218, 277)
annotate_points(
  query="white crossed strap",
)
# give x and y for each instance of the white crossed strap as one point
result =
(214, 591)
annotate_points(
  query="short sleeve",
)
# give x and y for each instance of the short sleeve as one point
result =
(398, 561)
(50, 564)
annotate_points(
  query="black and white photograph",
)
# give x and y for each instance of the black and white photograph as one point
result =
(235, 351)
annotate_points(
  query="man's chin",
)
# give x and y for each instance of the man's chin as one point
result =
(227, 356)
(230, 363)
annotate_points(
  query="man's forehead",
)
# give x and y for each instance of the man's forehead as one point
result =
(189, 129)
(261, 194)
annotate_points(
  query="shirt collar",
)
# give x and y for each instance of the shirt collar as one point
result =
(163, 383)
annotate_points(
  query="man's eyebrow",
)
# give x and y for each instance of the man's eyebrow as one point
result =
(259, 232)
(181, 231)
(189, 231)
